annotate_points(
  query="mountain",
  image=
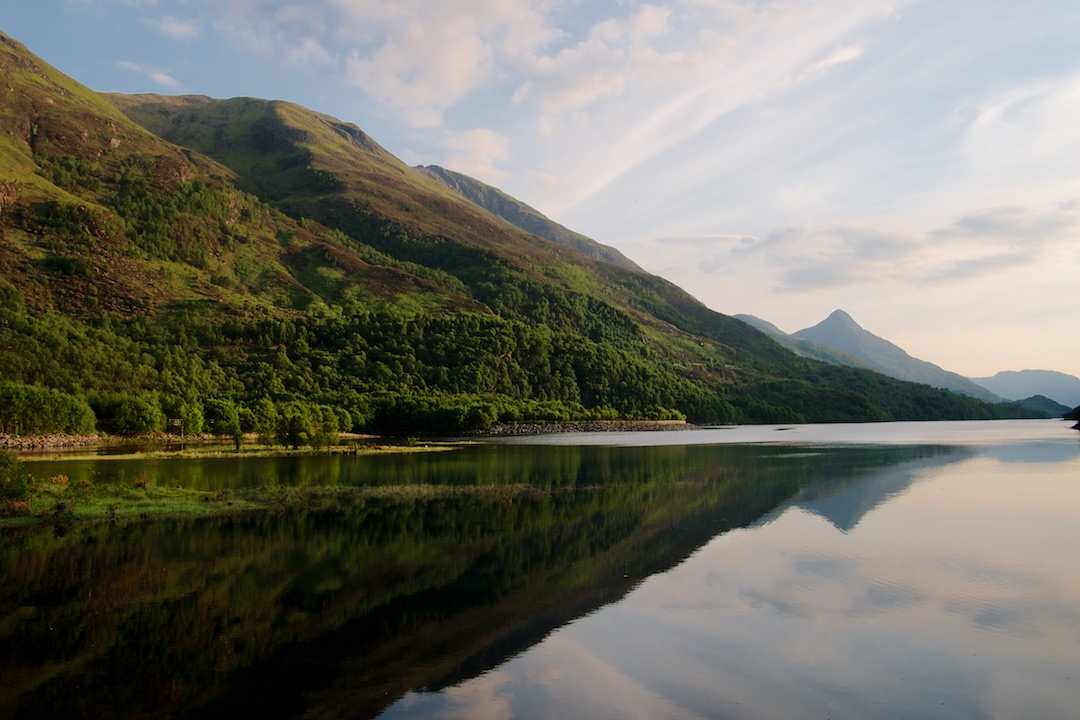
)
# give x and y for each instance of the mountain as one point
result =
(522, 216)
(1016, 384)
(248, 264)
(1043, 404)
(840, 331)
(806, 348)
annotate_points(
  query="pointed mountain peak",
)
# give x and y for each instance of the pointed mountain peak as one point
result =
(842, 332)
(839, 317)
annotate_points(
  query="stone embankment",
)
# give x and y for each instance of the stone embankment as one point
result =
(594, 426)
(41, 442)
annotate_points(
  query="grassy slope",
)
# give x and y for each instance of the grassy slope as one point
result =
(333, 172)
(46, 117)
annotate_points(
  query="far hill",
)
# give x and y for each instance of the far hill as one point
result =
(1043, 404)
(840, 331)
(1016, 384)
(806, 348)
(524, 217)
(859, 348)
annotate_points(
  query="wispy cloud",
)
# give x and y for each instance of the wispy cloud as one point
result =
(477, 153)
(618, 81)
(814, 258)
(419, 59)
(309, 52)
(838, 57)
(161, 78)
(176, 28)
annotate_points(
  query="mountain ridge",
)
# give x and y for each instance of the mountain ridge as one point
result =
(1017, 384)
(805, 347)
(839, 330)
(839, 339)
(523, 216)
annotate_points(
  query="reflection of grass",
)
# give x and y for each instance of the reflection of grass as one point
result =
(63, 503)
(253, 451)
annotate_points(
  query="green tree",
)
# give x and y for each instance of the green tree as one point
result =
(186, 414)
(223, 418)
(295, 426)
(266, 419)
(139, 415)
(324, 427)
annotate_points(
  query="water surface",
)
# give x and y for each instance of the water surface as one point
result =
(894, 571)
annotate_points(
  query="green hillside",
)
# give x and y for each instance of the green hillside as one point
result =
(252, 265)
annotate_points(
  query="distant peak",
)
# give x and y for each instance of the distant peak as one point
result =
(839, 320)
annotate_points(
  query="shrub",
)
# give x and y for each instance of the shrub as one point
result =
(14, 480)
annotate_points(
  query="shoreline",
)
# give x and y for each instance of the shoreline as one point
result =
(591, 426)
(59, 441)
(24, 443)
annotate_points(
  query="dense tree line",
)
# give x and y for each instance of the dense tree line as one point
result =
(302, 380)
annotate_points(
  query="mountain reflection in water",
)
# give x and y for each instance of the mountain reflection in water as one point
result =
(341, 610)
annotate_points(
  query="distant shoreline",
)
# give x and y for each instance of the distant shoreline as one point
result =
(585, 426)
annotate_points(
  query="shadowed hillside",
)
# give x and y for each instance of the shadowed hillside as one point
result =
(522, 216)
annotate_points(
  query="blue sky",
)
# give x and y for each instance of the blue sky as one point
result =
(916, 162)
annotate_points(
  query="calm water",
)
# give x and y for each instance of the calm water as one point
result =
(871, 571)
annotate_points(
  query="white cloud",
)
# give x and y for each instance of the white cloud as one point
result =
(839, 57)
(419, 59)
(813, 258)
(176, 28)
(477, 153)
(1026, 131)
(165, 80)
(160, 78)
(309, 52)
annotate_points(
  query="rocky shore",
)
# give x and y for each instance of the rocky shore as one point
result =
(27, 443)
(592, 426)
(42, 442)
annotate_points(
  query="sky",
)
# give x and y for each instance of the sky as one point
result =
(915, 163)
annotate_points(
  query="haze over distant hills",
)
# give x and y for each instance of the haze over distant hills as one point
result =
(804, 347)
(850, 344)
(1017, 384)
